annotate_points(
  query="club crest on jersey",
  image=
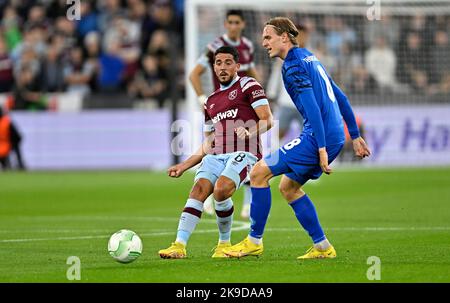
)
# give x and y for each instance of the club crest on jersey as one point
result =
(232, 95)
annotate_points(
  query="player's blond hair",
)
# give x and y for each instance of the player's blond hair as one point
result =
(284, 25)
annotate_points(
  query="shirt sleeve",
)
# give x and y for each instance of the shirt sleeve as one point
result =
(299, 81)
(255, 93)
(346, 111)
(208, 125)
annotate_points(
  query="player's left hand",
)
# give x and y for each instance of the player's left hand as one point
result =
(242, 133)
(360, 148)
(323, 156)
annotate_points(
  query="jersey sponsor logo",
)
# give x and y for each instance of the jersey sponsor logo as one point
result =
(232, 113)
(232, 95)
(310, 59)
(257, 93)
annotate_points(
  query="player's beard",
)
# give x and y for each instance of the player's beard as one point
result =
(226, 82)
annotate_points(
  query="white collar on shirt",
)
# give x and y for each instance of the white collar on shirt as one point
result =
(222, 87)
(231, 42)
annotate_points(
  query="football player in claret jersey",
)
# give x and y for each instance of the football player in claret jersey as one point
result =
(234, 25)
(235, 116)
(322, 105)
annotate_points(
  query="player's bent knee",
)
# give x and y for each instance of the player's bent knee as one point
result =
(223, 190)
(221, 194)
(290, 193)
(260, 174)
(201, 190)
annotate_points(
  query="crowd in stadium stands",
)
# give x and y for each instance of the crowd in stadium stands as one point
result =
(400, 55)
(118, 48)
(121, 48)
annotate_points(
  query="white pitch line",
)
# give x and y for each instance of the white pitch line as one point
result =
(241, 226)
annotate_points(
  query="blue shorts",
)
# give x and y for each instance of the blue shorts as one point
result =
(299, 159)
(235, 166)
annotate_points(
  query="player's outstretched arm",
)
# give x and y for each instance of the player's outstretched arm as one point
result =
(177, 170)
(346, 111)
(195, 79)
(359, 145)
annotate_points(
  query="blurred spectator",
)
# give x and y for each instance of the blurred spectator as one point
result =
(150, 82)
(92, 48)
(111, 68)
(362, 82)
(414, 62)
(440, 55)
(159, 47)
(381, 63)
(57, 8)
(108, 10)
(52, 76)
(88, 22)
(27, 94)
(78, 73)
(127, 36)
(160, 18)
(10, 25)
(34, 38)
(37, 16)
(347, 62)
(10, 139)
(6, 68)
(337, 33)
(30, 59)
(66, 29)
(387, 27)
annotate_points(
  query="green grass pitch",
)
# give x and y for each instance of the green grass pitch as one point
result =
(401, 216)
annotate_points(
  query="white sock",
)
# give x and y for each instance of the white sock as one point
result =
(322, 245)
(188, 221)
(257, 241)
(224, 214)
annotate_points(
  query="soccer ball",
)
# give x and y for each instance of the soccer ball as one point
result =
(125, 246)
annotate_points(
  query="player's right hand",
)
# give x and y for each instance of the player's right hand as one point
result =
(323, 157)
(360, 148)
(175, 171)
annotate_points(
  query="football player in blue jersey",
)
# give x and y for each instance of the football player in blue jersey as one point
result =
(323, 105)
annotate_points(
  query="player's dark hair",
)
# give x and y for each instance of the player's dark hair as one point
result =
(284, 25)
(301, 27)
(226, 49)
(235, 12)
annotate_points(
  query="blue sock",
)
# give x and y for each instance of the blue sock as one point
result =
(306, 214)
(259, 210)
